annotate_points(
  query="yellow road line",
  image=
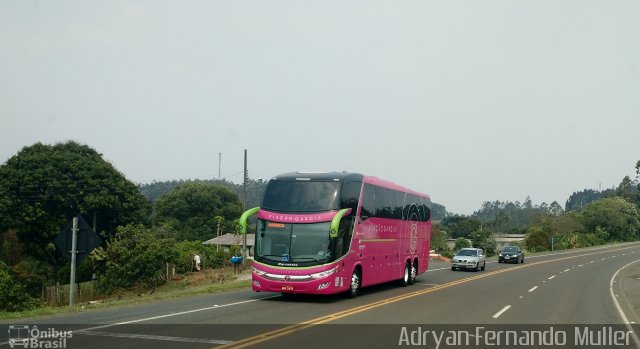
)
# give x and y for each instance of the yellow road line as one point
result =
(345, 313)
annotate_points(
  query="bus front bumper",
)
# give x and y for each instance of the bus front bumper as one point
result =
(328, 285)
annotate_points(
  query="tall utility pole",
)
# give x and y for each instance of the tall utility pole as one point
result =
(72, 279)
(219, 165)
(244, 237)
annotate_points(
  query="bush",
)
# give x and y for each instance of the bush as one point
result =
(461, 243)
(135, 256)
(537, 240)
(209, 256)
(13, 294)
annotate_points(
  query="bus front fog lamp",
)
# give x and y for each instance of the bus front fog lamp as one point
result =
(323, 285)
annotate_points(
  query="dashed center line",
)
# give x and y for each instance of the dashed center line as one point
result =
(534, 288)
(566, 270)
(497, 315)
(551, 277)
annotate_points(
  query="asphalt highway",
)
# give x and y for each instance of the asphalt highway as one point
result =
(588, 295)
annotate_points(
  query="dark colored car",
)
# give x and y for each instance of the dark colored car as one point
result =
(511, 254)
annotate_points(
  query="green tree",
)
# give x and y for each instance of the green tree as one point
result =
(484, 239)
(190, 209)
(136, 256)
(13, 293)
(438, 211)
(555, 209)
(438, 239)
(537, 239)
(460, 226)
(44, 186)
(255, 189)
(625, 187)
(615, 216)
(461, 243)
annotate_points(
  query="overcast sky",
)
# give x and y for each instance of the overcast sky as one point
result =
(468, 101)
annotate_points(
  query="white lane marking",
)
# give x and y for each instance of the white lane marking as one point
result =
(551, 277)
(176, 314)
(193, 311)
(438, 269)
(577, 250)
(151, 337)
(619, 308)
(566, 270)
(580, 265)
(603, 258)
(497, 315)
(533, 289)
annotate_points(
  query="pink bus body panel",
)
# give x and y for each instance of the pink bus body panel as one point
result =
(380, 247)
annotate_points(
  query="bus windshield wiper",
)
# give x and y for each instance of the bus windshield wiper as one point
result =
(312, 258)
(274, 255)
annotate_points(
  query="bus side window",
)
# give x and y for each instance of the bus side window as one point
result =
(344, 236)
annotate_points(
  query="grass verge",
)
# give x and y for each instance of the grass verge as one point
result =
(193, 284)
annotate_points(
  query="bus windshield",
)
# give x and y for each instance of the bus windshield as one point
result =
(292, 243)
(301, 196)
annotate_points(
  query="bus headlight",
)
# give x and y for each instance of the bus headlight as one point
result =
(258, 272)
(324, 274)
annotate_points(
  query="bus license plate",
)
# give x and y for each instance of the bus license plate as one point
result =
(287, 288)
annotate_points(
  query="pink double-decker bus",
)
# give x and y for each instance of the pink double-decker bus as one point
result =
(327, 233)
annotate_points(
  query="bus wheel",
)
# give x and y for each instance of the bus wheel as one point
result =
(406, 275)
(414, 273)
(354, 286)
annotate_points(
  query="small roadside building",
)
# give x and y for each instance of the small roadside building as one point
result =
(226, 241)
(503, 240)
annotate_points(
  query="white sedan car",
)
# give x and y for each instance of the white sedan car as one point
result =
(469, 258)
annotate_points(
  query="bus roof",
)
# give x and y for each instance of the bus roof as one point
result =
(344, 177)
(322, 176)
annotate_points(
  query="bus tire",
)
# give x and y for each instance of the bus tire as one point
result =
(414, 272)
(355, 284)
(406, 274)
